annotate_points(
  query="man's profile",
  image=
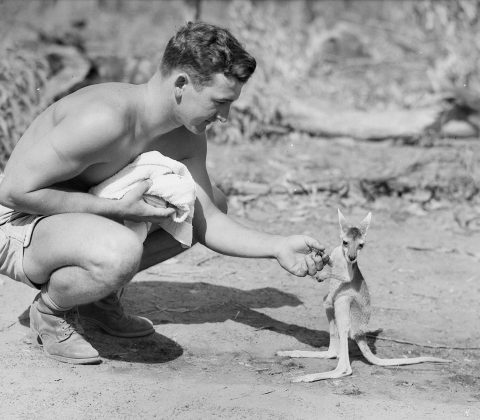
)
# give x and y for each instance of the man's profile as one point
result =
(72, 245)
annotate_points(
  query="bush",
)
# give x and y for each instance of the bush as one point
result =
(23, 73)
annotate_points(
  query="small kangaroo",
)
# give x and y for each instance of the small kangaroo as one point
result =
(347, 305)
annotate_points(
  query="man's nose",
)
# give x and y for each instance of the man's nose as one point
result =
(223, 112)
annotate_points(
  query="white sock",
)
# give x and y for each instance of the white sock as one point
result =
(48, 301)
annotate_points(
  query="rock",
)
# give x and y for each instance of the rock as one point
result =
(458, 129)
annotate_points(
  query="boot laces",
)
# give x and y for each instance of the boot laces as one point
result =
(70, 323)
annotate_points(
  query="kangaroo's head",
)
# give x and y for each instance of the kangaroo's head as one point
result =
(353, 237)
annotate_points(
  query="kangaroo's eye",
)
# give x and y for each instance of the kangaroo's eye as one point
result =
(360, 246)
(345, 243)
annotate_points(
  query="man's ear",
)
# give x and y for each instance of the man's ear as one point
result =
(365, 223)
(180, 82)
(343, 222)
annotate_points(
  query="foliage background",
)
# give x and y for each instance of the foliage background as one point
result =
(219, 320)
(364, 55)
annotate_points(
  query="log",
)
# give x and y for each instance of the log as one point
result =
(371, 125)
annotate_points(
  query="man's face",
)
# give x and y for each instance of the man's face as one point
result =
(201, 106)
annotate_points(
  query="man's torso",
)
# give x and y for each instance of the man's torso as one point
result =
(124, 98)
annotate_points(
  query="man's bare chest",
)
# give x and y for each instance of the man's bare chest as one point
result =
(125, 152)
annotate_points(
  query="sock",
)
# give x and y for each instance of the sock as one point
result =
(46, 303)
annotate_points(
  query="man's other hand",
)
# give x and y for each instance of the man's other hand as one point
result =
(136, 209)
(301, 255)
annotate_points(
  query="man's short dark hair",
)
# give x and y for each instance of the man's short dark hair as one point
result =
(201, 50)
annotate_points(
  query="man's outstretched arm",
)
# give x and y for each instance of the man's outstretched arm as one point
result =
(298, 254)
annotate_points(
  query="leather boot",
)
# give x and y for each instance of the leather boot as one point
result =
(59, 336)
(108, 314)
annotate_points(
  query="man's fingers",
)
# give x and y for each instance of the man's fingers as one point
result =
(321, 258)
(165, 212)
(318, 259)
(140, 188)
(311, 265)
(313, 244)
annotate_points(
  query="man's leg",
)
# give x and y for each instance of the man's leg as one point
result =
(108, 313)
(77, 258)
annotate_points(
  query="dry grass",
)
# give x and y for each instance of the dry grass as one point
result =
(23, 73)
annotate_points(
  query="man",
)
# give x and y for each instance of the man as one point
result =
(78, 252)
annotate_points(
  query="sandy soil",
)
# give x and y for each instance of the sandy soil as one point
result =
(219, 321)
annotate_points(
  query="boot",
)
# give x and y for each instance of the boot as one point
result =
(108, 314)
(57, 333)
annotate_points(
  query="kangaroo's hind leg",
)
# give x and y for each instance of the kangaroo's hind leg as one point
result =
(333, 346)
(342, 318)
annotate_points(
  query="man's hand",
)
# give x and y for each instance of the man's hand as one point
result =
(136, 209)
(301, 255)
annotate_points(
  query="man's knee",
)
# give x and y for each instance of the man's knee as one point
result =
(220, 199)
(117, 258)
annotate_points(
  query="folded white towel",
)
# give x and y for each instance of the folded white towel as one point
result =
(172, 184)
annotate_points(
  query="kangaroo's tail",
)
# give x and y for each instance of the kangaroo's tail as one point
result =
(374, 360)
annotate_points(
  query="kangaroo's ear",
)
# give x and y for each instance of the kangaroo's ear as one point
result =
(342, 221)
(365, 223)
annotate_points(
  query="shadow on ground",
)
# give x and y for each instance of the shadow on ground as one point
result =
(196, 303)
(154, 348)
(200, 302)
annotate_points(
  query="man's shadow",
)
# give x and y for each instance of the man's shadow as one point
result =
(167, 302)
(197, 303)
(154, 348)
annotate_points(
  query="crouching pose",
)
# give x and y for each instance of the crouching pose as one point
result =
(72, 245)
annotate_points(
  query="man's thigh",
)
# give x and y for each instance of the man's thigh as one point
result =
(73, 239)
(220, 199)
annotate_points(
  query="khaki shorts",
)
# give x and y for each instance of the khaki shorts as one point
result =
(15, 235)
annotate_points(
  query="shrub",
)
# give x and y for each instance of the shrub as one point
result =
(23, 73)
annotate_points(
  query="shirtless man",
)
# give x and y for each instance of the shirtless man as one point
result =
(78, 252)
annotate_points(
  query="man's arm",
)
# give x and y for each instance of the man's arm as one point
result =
(297, 254)
(38, 165)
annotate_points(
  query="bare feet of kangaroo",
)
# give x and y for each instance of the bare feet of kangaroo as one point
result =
(347, 305)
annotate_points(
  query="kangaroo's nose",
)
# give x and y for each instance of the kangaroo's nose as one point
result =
(352, 258)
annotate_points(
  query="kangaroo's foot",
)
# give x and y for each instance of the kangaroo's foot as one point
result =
(329, 354)
(333, 374)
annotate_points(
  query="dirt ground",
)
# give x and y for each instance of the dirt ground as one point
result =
(219, 321)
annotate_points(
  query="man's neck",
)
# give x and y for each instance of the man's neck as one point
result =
(156, 116)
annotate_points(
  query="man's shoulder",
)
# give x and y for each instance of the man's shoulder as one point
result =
(105, 103)
(104, 114)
